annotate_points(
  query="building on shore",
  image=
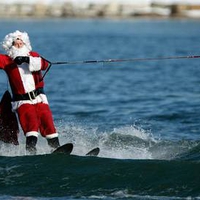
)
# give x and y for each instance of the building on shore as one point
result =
(97, 9)
(180, 9)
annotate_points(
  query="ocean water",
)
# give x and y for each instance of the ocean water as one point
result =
(144, 116)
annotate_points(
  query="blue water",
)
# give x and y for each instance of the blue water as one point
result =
(143, 115)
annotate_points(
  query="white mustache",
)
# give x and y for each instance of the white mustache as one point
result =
(14, 52)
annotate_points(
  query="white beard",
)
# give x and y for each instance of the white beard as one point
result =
(14, 52)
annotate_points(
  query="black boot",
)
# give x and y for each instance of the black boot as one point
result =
(53, 143)
(31, 142)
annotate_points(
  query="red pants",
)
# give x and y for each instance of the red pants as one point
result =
(36, 118)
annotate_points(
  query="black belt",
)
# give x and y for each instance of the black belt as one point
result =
(29, 95)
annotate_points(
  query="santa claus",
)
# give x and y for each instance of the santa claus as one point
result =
(23, 68)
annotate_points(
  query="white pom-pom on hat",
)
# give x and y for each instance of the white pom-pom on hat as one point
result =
(11, 37)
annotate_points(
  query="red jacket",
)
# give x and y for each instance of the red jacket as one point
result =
(25, 77)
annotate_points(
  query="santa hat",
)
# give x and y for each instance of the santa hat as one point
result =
(11, 37)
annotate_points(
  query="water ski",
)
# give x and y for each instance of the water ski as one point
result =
(93, 152)
(64, 149)
(67, 149)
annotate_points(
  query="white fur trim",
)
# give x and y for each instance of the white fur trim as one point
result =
(11, 37)
(26, 77)
(35, 64)
(42, 98)
(32, 133)
(53, 135)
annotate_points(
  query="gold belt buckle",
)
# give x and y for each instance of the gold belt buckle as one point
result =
(33, 94)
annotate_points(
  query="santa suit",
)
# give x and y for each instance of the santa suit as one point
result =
(29, 99)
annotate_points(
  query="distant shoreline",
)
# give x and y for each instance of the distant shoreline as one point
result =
(99, 11)
(99, 18)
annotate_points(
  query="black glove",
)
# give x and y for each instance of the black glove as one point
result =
(21, 59)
